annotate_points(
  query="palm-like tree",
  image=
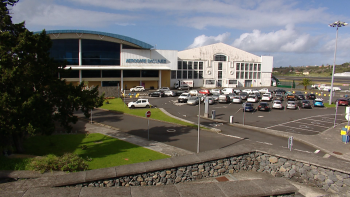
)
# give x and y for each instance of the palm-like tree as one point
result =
(305, 82)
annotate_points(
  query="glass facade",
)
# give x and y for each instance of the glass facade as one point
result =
(111, 73)
(97, 52)
(131, 73)
(70, 74)
(91, 73)
(110, 83)
(173, 74)
(220, 58)
(65, 50)
(149, 73)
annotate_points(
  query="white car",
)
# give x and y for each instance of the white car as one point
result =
(227, 90)
(249, 91)
(169, 93)
(183, 97)
(215, 91)
(252, 98)
(193, 92)
(139, 103)
(255, 91)
(236, 99)
(164, 89)
(137, 89)
(266, 97)
(264, 90)
(277, 104)
(291, 105)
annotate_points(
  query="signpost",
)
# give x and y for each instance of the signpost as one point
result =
(336, 111)
(243, 105)
(148, 114)
(290, 143)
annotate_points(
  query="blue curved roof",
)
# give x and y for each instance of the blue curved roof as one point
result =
(125, 38)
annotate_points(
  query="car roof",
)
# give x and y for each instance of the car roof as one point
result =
(263, 103)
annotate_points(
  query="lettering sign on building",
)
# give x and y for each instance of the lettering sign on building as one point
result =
(146, 61)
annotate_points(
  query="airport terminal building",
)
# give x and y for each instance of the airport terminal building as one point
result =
(107, 59)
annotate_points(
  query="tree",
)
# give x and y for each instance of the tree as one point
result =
(31, 95)
(306, 82)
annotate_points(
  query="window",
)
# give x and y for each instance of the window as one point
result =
(195, 66)
(179, 74)
(98, 52)
(200, 76)
(65, 50)
(220, 66)
(131, 73)
(195, 75)
(179, 65)
(91, 73)
(184, 74)
(237, 75)
(110, 83)
(259, 75)
(173, 74)
(246, 75)
(149, 73)
(189, 65)
(70, 74)
(254, 76)
(250, 75)
(246, 66)
(210, 82)
(242, 75)
(111, 73)
(242, 66)
(190, 74)
(184, 65)
(200, 65)
(219, 74)
(237, 66)
(232, 81)
(259, 67)
(255, 67)
(250, 67)
(220, 58)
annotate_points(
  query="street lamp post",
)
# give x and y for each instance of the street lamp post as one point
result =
(335, 24)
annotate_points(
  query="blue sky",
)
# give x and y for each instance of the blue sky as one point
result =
(295, 32)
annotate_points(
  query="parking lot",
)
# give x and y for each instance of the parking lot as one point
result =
(301, 121)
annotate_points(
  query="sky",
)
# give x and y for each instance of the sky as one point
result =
(294, 32)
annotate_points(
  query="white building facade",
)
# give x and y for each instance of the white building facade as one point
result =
(221, 65)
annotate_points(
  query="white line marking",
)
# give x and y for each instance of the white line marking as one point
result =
(316, 125)
(304, 151)
(302, 129)
(231, 136)
(326, 156)
(317, 151)
(265, 143)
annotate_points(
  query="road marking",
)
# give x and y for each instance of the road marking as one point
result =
(304, 151)
(317, 151)
(326, 156)
(303, 123)
(231, 136)
(260, 116)
(265, 143)
(301, 129)
(171, 130)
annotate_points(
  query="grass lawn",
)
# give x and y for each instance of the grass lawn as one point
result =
(119, 106)
(104, 151)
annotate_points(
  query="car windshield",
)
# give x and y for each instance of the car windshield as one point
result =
(277, 102)
(263, 104)
(266, 95)
(248, 104)
(184, 94)
(306, 102)
(243, 93)
(237, 97)
(291, 102)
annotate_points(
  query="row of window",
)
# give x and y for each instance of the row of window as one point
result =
(109, 73)
(248, 66)
(212, 82)
(184, 74)
(248, 75)
(189, 65)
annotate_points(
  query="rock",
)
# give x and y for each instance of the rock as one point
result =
(215, 173)
(169, 181)
(346, 182)
(143, 183)
(320, 177)
(194, 173)
(168, 172)
(157, 184)
(333, 178)
(162, 174)
(273, 173)
(200, 166)
(178, 179)
(179, 173)
(205, 173)
(292, 172)
(282, 169)
(231, 171)
(139, 179)
(339, 183)
(273, 159)
(110, 184)
(222, 170)
(282, 160)
(127, 185)
(329, 182)
(163, 180)
(155, 177)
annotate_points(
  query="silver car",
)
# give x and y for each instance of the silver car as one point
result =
(194, 100)
(291, 105)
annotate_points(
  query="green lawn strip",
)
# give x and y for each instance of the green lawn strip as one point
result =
(104, 151)
(13, 163)
(119, 106)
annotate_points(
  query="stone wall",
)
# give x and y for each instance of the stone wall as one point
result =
(328, 179)
(109, 91)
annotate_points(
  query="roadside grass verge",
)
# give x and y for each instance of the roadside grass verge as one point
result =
(99, 150)
(119, 106)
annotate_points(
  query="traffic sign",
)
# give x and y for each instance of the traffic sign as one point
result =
(148, 114)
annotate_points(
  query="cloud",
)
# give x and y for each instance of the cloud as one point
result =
(284, 40)
(203, 40)
(47, 13)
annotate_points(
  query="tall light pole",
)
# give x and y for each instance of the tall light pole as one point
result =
(335, 24)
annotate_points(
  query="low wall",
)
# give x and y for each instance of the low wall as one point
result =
(300, 167)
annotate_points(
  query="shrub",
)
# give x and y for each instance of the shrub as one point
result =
(69, 162)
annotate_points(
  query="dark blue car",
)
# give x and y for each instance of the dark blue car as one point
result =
(249, 107)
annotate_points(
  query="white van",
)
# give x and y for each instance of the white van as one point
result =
(227, 90)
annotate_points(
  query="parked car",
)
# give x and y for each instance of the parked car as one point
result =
(237, 91)
(137, 89)
(279, 96)
(205, 92)
(231, 95)
(266, 97)
(193, 100)
(277, 104)
(311, 96)
(318, 102)
(216, 96)
(215, 91)
(255, 91)
(179, 92)
(139, 103)
(342, 101)
(304, 104)
(292, 105)
(264, 90)
(224, 98)
(291, 97)
(243, 95)
(249, 107)
(252, 98)
(184, 87)
(211, 101)
(183, 97)
(164, 89)
(156, 94)
(169, 93)
(193, 92)
(282, 91)
(300, 96)
(249, 91)
(258, 95)
(263, 106)
(236, 99)
(227, 90)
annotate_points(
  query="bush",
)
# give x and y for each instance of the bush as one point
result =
(69, 162)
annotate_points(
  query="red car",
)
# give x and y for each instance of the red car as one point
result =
(204, 91)
(343, 102)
